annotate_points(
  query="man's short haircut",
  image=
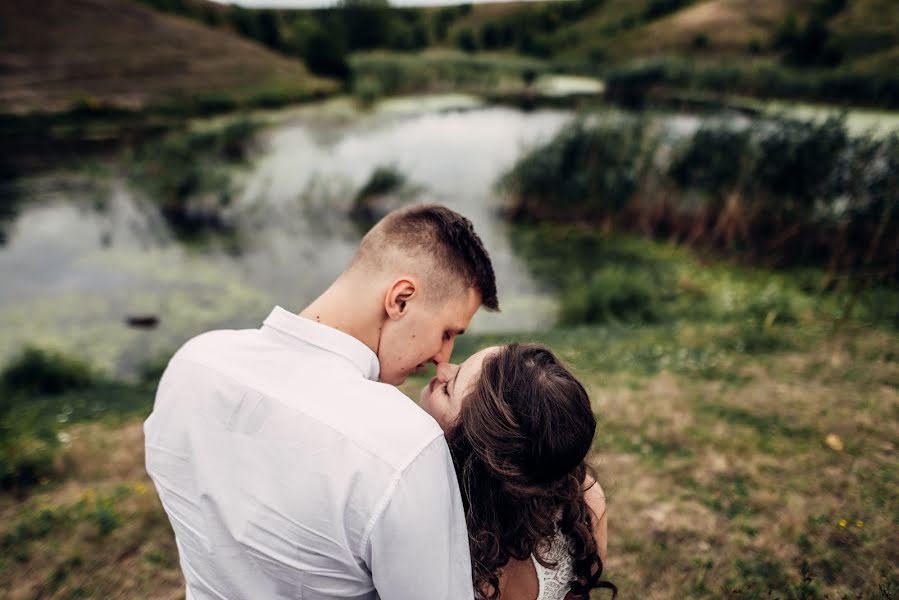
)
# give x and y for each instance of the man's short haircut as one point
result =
(440, 234)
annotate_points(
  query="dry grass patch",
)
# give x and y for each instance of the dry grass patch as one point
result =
(101, 533)
(62, 53)
(718, 490)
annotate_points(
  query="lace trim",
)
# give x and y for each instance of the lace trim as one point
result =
(554, 584)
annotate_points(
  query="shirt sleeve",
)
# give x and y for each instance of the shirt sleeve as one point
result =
(418, 547)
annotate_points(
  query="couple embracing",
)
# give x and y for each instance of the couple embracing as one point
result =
(290, 467)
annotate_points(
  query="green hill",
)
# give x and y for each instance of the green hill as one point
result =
(624, 30)
(827, 50)
(57, 55)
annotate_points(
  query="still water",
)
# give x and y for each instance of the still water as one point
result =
(86, 250)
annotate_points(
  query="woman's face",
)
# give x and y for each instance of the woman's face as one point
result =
(442, 397)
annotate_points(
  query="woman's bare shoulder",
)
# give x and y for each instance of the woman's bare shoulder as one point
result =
(594, 496)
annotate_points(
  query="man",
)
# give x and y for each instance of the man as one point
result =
(287, 470)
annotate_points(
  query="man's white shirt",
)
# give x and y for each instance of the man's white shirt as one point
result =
(288, 471)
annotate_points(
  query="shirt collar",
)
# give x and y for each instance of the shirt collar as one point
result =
(327, 338)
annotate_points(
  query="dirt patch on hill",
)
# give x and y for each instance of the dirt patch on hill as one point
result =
(58, 54)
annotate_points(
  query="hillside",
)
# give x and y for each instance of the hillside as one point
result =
(623, 30)
(61, 54)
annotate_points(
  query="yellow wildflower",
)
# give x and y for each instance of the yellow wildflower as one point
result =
(842, 522)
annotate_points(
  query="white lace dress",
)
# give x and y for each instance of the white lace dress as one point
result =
(554, 584)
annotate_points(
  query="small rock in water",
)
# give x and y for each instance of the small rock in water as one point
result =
(142, 321)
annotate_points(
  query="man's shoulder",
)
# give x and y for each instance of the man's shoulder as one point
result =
(217, 339)
(387, 423)
(376, 417)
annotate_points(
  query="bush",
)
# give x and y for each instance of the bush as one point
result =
(660, 8)
(326, 54)
(711, 160)
(612, 294)
(700, 40)
(584, 171)
(367, 89)
(778, 190)
(25, 459)
(37, 371)
(772, 305)
(465, 40)
(808, 44)
(383, 180)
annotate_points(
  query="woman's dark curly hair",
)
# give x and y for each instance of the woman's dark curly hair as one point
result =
(519, 446)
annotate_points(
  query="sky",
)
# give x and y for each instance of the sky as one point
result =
(320, 3)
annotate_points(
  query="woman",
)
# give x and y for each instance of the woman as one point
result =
(519, 426)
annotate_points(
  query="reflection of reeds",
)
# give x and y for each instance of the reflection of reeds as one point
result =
(187, 175)
(778, 191)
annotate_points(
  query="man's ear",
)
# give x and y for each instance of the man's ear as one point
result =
(398, 295)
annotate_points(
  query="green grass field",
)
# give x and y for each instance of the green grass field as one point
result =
(746, 444)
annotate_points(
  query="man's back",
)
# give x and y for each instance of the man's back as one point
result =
(288, 472)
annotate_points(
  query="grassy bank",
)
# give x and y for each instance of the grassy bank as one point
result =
(746, 440)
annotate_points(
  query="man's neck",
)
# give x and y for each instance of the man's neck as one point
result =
(339, 308)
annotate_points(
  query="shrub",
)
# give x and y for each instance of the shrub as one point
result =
(777, 190)
(37, 371)
(384, 180)
(105, 516)
(465, 40)
(711, 159)
(807, 44)
(614, 293)
(584, 171)
(326, 54)
(660, 8)
(772, 305)
(367, 89)
(25, 459)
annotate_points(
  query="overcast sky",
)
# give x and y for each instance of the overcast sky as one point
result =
(318, 3)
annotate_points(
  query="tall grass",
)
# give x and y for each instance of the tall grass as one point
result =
(779, 192)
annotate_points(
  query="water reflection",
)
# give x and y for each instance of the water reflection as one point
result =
(9, 208)
(73, 275)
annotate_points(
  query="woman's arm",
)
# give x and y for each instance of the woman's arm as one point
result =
(596, 501)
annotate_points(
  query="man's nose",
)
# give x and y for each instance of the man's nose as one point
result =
(445, 353)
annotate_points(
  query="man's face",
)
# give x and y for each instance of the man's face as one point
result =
(425, 334)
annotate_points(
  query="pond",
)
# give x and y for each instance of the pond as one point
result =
(90, 267)
(85, 251)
